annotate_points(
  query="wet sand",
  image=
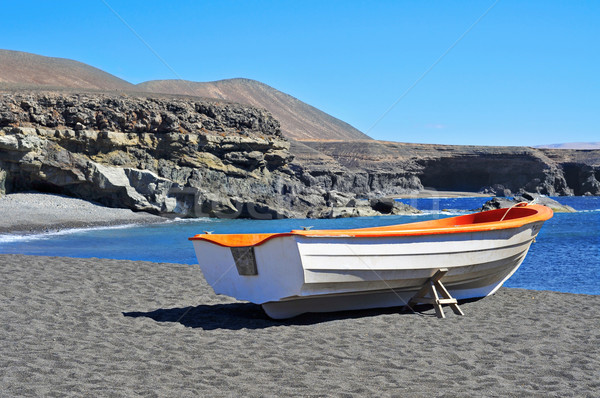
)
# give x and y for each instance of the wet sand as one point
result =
(91, 327)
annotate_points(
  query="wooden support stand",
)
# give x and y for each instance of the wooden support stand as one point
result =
(431, 286)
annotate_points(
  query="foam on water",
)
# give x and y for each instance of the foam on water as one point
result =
(7, 238)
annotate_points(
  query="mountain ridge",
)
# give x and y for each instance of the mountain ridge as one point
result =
(299, 120)
(19, 68)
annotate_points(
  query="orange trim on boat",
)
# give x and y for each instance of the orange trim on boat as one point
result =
(513, 217)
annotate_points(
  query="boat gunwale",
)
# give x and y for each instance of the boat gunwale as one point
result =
(421, 228)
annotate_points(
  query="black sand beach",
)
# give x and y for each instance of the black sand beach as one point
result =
(41, 212)
(91, 327)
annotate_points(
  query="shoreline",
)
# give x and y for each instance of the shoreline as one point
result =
(433, 194)
(37, 213)
(87, 326)
(34, 213)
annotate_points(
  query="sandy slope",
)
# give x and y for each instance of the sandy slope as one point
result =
(121, 328)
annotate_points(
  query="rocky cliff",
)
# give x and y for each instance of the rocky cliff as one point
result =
(177, 156)
(192, 157)
(388, 168)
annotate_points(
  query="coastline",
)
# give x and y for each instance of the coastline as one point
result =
(29, 213)
(432, 193)
(34, 212)
(89, 326)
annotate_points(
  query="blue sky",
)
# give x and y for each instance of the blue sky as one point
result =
(526, 74)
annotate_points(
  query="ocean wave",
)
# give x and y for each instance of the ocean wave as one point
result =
(11, 238)
(192, 220)
(15, 238)
(24, 237)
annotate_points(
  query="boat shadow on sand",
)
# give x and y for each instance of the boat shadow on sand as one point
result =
(235, 316)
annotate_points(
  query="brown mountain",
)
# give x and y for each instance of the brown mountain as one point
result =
(24, 70)
(298, 119)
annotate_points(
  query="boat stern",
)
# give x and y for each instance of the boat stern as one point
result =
(267, 272)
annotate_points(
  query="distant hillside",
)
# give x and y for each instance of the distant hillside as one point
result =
(298, 119)
(572, 145)
(20, 69)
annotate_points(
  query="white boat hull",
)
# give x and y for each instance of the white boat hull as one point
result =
(297, 274)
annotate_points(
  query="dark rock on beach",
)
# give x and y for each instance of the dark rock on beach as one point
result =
(390, 206)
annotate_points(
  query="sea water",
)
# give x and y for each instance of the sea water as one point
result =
(564, 258)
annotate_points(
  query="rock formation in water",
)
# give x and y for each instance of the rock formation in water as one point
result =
(160, 155)
(503, 203)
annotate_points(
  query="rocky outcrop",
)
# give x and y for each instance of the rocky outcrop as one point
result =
(502, 203)
(364, 208)
(352, 167)
(581, 168)
(196, 158)
(390, 168)
(165, 156)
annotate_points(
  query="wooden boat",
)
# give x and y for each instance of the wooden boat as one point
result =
(332, 270)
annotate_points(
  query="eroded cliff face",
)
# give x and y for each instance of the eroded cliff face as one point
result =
(191, 157)
(178, 156)
(581, 168)
(377, 167)
(354, 166)
(170, 156)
